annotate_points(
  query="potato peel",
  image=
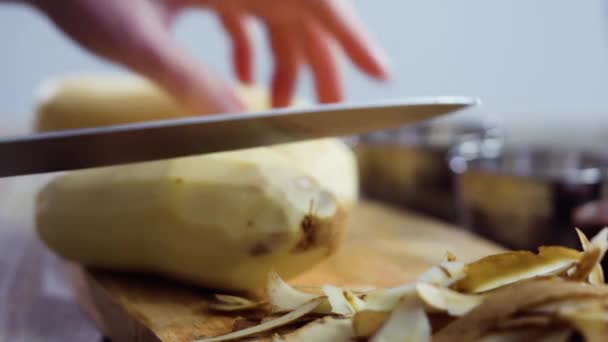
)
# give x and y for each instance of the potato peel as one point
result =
(592, 324)
(565, 305)
(337, 299)
(502, 269)
(444, 274)
(449, 256)
(387, 299)
(232, 307)
(282, 297)
(355, 302)
(367, 322)
(300, 311)
(408, 322)
(358, 290)
(229, 303)
(545, 296)
(444, 299)
(585, 243)
(588, 315)
(535, 334)
(589, 261)
(230, 299)
(600, 241)
(528, 321)
(326, 329)
(505, 302)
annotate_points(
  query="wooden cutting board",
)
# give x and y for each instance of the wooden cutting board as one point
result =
(383, 247)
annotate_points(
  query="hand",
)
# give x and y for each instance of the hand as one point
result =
(136, 34)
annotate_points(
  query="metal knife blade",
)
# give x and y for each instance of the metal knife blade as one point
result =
(147, 141)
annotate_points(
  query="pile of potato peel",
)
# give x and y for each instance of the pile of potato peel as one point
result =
(557, 294)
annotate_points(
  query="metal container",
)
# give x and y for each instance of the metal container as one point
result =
(409, 167)
(523, 197)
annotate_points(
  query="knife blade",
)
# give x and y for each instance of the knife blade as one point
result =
(155, 140)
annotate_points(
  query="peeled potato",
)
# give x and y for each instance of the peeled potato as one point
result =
(93, 100)
(221, 220)
(330, 161)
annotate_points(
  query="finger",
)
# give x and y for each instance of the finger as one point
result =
(286, 64)
(242, 45)
(154, 53)
(340, 20)
(321, 57)
(135, 34)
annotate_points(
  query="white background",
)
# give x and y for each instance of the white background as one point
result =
(542, 65)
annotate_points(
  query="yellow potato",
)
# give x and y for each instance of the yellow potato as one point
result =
(220, 220)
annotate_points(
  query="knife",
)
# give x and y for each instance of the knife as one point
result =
(155, 140)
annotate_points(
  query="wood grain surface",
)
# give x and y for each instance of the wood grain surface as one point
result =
(383, 247)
